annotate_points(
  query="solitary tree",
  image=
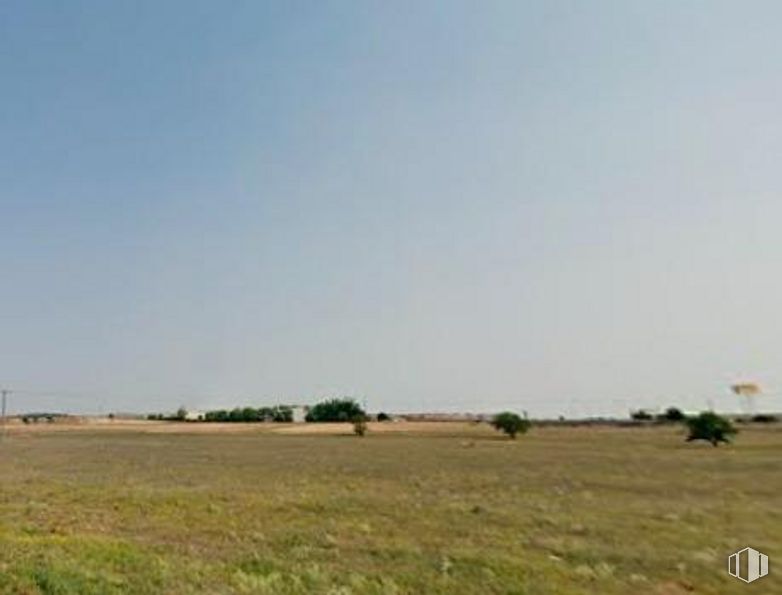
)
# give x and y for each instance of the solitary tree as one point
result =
(510, 423)
(710, 426)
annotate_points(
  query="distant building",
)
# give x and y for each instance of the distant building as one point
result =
(194, 416)
(299, 413)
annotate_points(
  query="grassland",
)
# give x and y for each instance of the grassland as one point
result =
(449, 509)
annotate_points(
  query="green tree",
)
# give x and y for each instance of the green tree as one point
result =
(334, 410)
(282, 413)
(216, 415)
(673, 415)
(765, 418)
(710, 426)
(251, 414)
(510, 423)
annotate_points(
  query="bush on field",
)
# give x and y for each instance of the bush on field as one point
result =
(335, 410)
(359, 424)
(510, 423)
(764, 418)
(672, 415)
(383, 416)
(711, 427)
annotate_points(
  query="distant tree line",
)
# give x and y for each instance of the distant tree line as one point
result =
(278, 413)
(676, 415)
(331, 410)
(180, 415)
(707, 425)
(670, 415)
(36, 417)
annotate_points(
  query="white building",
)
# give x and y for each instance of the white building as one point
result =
(299, 413)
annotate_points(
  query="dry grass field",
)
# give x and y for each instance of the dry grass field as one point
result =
(410, 508)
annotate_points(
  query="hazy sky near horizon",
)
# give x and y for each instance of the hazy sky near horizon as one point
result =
(562, 207)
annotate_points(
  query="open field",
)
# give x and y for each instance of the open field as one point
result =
(168, 427)
(420, 508)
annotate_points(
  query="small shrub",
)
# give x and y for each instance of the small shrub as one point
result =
(764, 418)
(510, 423)
(711, 427)
(383, 416)
(641, 415)
(359, 424)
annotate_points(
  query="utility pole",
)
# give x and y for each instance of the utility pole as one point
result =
(5, 392)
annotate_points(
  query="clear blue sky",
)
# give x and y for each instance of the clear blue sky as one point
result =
(563, 207)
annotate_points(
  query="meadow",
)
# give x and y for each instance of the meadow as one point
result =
(417, 508)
